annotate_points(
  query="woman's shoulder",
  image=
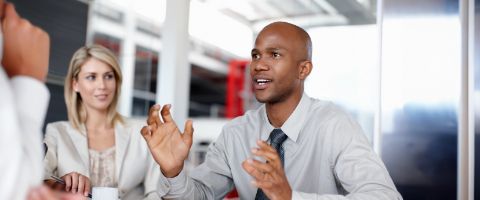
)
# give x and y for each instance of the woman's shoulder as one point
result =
(59, 126)
(59, 129)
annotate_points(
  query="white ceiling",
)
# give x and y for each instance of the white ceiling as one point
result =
(305, 13)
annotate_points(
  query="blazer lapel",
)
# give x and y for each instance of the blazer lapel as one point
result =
(79, 140)
(121, 142)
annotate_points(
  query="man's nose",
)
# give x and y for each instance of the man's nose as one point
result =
(261, 65)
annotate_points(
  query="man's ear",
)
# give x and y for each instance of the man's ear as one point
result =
(305, 69)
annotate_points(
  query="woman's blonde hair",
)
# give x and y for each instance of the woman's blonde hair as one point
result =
(76, 110)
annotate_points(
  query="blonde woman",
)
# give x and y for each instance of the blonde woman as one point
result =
(97, 147)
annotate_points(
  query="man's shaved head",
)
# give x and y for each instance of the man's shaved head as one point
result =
(294, 33)
(281, 61)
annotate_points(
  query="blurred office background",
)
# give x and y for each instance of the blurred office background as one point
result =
(407, 70)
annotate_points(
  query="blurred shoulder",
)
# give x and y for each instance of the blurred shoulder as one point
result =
(59, 126)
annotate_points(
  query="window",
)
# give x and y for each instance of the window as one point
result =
(145, 83)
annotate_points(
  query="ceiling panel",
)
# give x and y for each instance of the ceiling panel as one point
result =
(305, 13)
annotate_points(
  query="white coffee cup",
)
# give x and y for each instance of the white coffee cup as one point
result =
(104, 193)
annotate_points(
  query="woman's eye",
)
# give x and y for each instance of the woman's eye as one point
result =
(90, 77)
(109, 76)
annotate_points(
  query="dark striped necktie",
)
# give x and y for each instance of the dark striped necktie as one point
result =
(277, 137)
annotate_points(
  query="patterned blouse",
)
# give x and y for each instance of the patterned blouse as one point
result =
(102, 167)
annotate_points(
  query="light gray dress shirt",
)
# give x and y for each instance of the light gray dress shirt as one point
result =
(327, 156)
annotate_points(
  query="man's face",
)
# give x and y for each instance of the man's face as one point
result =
(275, 64)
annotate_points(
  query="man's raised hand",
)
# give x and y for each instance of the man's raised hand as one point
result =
(167, 144)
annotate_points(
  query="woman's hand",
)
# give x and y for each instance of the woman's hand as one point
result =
(76, 183)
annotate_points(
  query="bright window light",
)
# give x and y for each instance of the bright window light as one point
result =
(345, 65)
(417, 68)
(215, 28)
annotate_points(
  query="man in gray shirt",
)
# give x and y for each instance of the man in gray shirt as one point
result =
(291, 147)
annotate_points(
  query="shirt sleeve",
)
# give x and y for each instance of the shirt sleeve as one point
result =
(210, 180)
(22, 110)
(14, 183)
(359, 170)
(31, 98)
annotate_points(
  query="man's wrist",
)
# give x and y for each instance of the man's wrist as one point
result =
(172, 173)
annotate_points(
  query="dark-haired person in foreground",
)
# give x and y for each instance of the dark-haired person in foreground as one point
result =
(313, 150)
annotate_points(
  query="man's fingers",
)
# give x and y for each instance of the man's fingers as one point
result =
(10, 12)
(152, 114)
(188, 133)
(266, 147)
(146, 133)
(264, 185)
(166, 116)
(269, 155)
(252, 171)
(10, 17)
(261, 166)
(2, 9)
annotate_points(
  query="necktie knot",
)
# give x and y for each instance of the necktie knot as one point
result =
(277, 137)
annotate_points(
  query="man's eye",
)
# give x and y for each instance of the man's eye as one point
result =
(276, 55)
(255, 56)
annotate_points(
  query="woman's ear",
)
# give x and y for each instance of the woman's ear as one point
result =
(75, 85)
(305, 69)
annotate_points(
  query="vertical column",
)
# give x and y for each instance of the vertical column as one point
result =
(377, 118)
(466, 137)
(173, 86)
(127, 62)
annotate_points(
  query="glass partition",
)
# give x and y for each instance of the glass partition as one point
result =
(476, 98)
(421, 46)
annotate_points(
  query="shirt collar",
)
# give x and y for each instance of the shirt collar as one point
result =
(294, 123)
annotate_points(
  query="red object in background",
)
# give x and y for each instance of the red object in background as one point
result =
(234, 107)
(232, 195)
(235, 88)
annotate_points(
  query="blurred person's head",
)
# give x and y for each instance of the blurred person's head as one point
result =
(93, 84)
(281, 61)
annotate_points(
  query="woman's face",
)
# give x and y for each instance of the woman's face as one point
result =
(96, 84)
